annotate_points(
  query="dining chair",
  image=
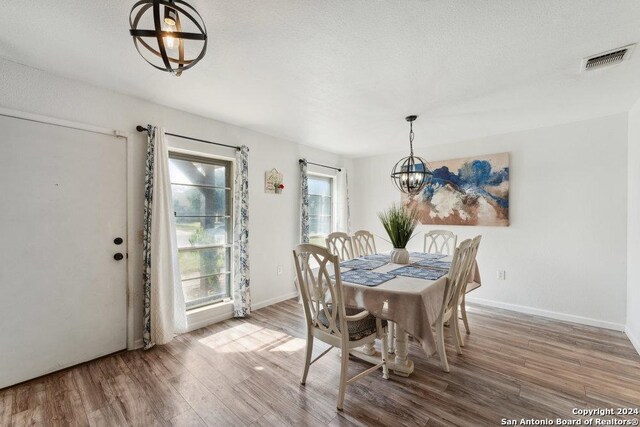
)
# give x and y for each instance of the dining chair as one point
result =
(328, 319)
(340, 244)
(456, 283)
(364, 242)
(440, 242)
(463, 308)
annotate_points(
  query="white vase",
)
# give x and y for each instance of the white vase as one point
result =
(400, 256)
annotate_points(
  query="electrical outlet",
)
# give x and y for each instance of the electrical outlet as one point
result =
(279, 270)
(502, 275)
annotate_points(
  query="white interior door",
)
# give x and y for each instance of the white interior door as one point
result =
(63, 202)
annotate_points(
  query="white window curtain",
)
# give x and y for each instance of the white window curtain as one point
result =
(164, 307)
(343, 222)
(241, 293)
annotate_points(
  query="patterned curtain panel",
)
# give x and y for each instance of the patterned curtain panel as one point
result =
(164, 307)
(146, 243)
(344, 205)
(304, 193)
(241, 294)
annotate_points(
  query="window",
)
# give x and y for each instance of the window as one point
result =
(320, 208)
(202, 204)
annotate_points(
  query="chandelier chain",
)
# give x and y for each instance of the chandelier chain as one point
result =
(411, 136)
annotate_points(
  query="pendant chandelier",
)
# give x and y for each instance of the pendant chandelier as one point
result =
(411, 174)
(163, 46)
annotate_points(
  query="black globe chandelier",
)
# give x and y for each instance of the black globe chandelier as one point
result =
(163, 46)
(411, 174)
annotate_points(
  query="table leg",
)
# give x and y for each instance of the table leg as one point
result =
(391, 339)
(402, 366)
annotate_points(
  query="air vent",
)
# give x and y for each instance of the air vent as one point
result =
(606, 59)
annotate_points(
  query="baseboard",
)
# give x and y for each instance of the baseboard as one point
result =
(271, 301)
(205, 316)
(550, 314)
(200, 320)
(634, 338)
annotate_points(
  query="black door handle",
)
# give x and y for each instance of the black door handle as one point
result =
(118, 256)
(118, 240)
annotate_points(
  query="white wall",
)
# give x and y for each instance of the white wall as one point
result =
(633, 229)
(565, 251)
(274, 223)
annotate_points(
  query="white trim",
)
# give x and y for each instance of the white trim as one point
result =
(334, 198)
(634, 338)
(205, 316)
(16, 114)
(134, 288)
(550, 314)
(275, 300)
(204, 154)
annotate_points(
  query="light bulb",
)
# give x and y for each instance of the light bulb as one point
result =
(169, 42)
(170, 16)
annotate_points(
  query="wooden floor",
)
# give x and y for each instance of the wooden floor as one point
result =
(247, 372)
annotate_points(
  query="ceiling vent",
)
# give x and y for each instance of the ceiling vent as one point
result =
(608, 58)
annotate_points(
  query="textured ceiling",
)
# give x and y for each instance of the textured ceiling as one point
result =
(341, 75)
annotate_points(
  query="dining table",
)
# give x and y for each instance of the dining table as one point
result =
(410, 296)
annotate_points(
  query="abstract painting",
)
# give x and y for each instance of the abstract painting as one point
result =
(469, 191)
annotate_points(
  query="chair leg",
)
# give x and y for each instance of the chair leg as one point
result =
(343, 377)
(385, 355)
(463, 312)
(455, 332)
(440, 345)
(307, 360)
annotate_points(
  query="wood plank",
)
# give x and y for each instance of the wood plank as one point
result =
(110, 415)
(247, 372)
(188, 419)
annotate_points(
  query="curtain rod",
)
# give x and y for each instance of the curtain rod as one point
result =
(318, 164)
(144, 129)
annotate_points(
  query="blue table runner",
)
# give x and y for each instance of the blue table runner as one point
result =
(425, 255)
(434, 263)
(419, 272)
(363, 264)
(366, 277)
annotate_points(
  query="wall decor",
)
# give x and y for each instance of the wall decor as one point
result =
(273, 181)
(467, 191)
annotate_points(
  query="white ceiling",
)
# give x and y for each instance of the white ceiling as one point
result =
(341, 75)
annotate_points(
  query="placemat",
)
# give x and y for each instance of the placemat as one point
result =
(419, 272)
(380, 257)
(366, 277)
(363, 264)
(425, 255)
(434, 263)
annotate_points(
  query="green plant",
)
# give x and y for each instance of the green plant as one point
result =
(198, 236)
(399, 222)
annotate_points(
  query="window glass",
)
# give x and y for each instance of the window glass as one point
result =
(320, 208)
(201, 191)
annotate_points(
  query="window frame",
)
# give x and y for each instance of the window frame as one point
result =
(334, 213)
(229, 165)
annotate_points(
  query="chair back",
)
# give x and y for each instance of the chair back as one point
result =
(320, 294)
(440, 242)
(475, 245)
(458, 274)
(364, 242)
(340, 244)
